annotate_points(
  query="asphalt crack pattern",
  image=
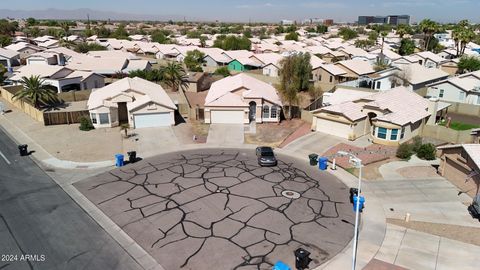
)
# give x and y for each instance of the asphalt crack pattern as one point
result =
(221, 210)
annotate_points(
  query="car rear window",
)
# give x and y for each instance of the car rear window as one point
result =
(267, 154)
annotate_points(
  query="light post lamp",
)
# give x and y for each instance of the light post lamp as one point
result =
(358, 164)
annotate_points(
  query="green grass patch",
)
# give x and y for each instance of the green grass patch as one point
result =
(460, 126)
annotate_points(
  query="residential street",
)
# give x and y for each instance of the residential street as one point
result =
(38, 218)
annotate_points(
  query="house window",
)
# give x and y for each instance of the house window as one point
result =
(84, 85)
(394, 135)
(382, 133)
(461, 96)
(379, 84)
(93, 117)
(266, 111)
(441, 93)
(95, 83)
(103, 117)
(402, 134)
(273, 112)
(331, 78)
(320, 77)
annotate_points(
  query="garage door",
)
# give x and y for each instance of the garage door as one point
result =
(36, 62)
(333, 128)
(152, 120)
(226, 117)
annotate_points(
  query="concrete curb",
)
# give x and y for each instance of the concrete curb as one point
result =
(372, 228)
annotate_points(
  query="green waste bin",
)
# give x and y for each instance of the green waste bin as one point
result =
(313, 159)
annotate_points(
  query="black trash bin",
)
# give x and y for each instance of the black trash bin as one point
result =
(23, 149)
(353, 192)
(302, 259)
(313, 159)
(132, 156)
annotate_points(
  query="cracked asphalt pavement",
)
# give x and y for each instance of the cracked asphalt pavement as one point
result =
(218, 209)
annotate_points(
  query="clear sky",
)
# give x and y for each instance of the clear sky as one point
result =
(269, 10)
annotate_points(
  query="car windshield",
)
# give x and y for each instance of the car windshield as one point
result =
(267, 154)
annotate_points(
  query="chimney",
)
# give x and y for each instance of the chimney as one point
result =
(432, 109)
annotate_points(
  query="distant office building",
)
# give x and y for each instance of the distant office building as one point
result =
(328, 22)
(391, 19)
(287, 22)
(398, 19)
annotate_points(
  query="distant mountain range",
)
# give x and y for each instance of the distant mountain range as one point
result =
(81, 14)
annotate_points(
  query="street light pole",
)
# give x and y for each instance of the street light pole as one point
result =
(358, 164)
(357, 214)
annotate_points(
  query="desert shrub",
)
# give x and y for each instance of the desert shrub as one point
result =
(427, 151)
(416, 143)
(404, 151)
(86, 124)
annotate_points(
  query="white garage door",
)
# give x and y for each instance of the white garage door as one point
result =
(36, 62)
(226, 117)
(333, 128)
(152, 120)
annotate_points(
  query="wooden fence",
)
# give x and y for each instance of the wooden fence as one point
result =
(63, 118)
(8, 92)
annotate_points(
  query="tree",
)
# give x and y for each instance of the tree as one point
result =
(229, 43)
(347, 33)
(363, 43)
(292, 36)
(85, 47)
(5, 40)
(154, 75)
(175, 77)
(322, 29)
(193, 34)
(31, 21)
(3, 70)
(407, 47)
(8, 28)
(468, 64)
(428, 27)
(194, 60)
(295, 75)
(160, 37)
(65, 27)
(373, 36)
(223, 71)
(203, 41)
(85, 124)
(247, 33)
(35, 91)
(462, 34)
(427, 151)
(380, 64)
(120, 32)
(34, 32)
(404, 151)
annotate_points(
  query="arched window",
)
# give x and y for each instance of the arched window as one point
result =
(266, 111)
(273, 112)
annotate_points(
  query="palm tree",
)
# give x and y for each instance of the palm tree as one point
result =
(35, 91)
(428, 27)
(174, 76)
(401, 31)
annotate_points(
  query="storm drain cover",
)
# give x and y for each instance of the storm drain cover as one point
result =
(290, 194)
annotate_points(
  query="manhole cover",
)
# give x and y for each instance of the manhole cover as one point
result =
(290, 194)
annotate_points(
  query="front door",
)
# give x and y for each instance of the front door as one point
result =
(252, 111)
(122, 113)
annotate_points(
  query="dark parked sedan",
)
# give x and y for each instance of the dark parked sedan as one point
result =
(265, 156)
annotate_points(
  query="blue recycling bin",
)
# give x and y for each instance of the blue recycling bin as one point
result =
(362, 203)
(281, 266)
(119, 160)
(323, 163)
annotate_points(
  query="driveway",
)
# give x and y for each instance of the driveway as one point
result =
(149, 142)
(226, 134)
(315, 142)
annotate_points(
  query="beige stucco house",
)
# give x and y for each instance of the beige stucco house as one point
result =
(242, 99)
(389, 118)
(132, 101)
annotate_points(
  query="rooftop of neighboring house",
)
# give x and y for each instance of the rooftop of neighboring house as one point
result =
(268, 58)
(222, 92)
(395, 102)
(473, 151)
(430, 55)
(22, 45)
(6, 53)
(46, 71)
(333, 69)
(417, 74)
(359, 67)
(148, 91)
